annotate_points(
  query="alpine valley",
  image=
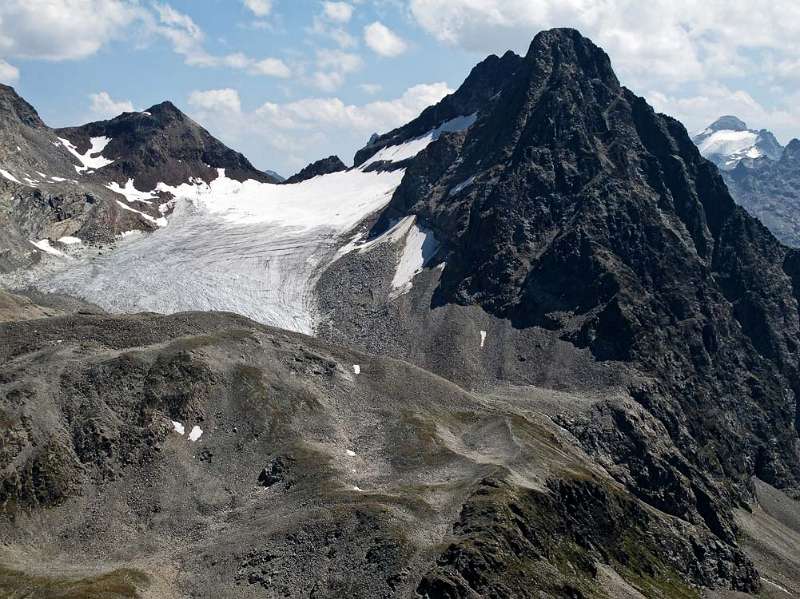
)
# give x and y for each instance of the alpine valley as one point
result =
(527, 346)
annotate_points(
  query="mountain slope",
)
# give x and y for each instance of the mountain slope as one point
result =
(770, 191)
(728, 142)
(161, 145)
(589, 230)
(205, 455)
(92, 183)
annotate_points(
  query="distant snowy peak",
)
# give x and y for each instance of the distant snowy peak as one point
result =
(728, 141)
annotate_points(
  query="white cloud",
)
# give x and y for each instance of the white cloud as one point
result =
(273, 67)
(103, 106)
(312, 113)
(711, 100)
(332, 67)
(8, 72)
(226, 100)
(383, 40)
(187, 39)
(340, 12)
(667, 42)
(332, 22)
(370, 88)
(260, 8)
(62, 29)
(284, 136)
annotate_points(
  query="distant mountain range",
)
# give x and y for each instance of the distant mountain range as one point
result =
(762, 175)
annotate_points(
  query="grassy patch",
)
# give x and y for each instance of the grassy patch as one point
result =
(122, 583)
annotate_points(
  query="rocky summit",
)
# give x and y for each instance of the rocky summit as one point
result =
(548, 355)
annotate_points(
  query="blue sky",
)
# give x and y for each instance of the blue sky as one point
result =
(289, 81)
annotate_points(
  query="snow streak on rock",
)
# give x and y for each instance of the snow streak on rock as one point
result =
(414, 146)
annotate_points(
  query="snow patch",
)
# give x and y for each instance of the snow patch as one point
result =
(195, 433)
(461, 186)
(93, 158)
(178, 427)
(159, 222)
(44, 245)
(776, 585)
(356, 369)
(131, 193)
(9, 176)
(67, 240)
(58, 179)
(351, 453)
(483, 338)
(414, 146)
(420, 246)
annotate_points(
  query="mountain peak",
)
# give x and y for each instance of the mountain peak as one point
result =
(728, 142)
(14, 108)
(568, 50)
(324, 166)
(728, 123)
(166, 108)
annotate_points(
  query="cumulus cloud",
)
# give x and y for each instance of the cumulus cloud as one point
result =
(383, 40)
(62, 29)
(332, 67)
(8, 72)
(663, 41)
(284, 136)
(711, 100)
(260, 8)
(226, 100)
(332, 22)
(103, 106)
(340, 12)
(334, 114)
(370, 88)
(187, 39)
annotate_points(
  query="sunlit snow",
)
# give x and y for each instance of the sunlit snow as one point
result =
(68, 240)
(732, 144)
(161, 222)
(44, 245)
(414, 146)
(93, 158)
(9, 176)
(419, 247)
(483, 338)
(195, 433)
(131, 193)
(252, 248)
(178, 427)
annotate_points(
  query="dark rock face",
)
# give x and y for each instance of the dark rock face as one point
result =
(478, 89)
(591, 216)
(324, 166)
(770, 191)
(162, 144)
